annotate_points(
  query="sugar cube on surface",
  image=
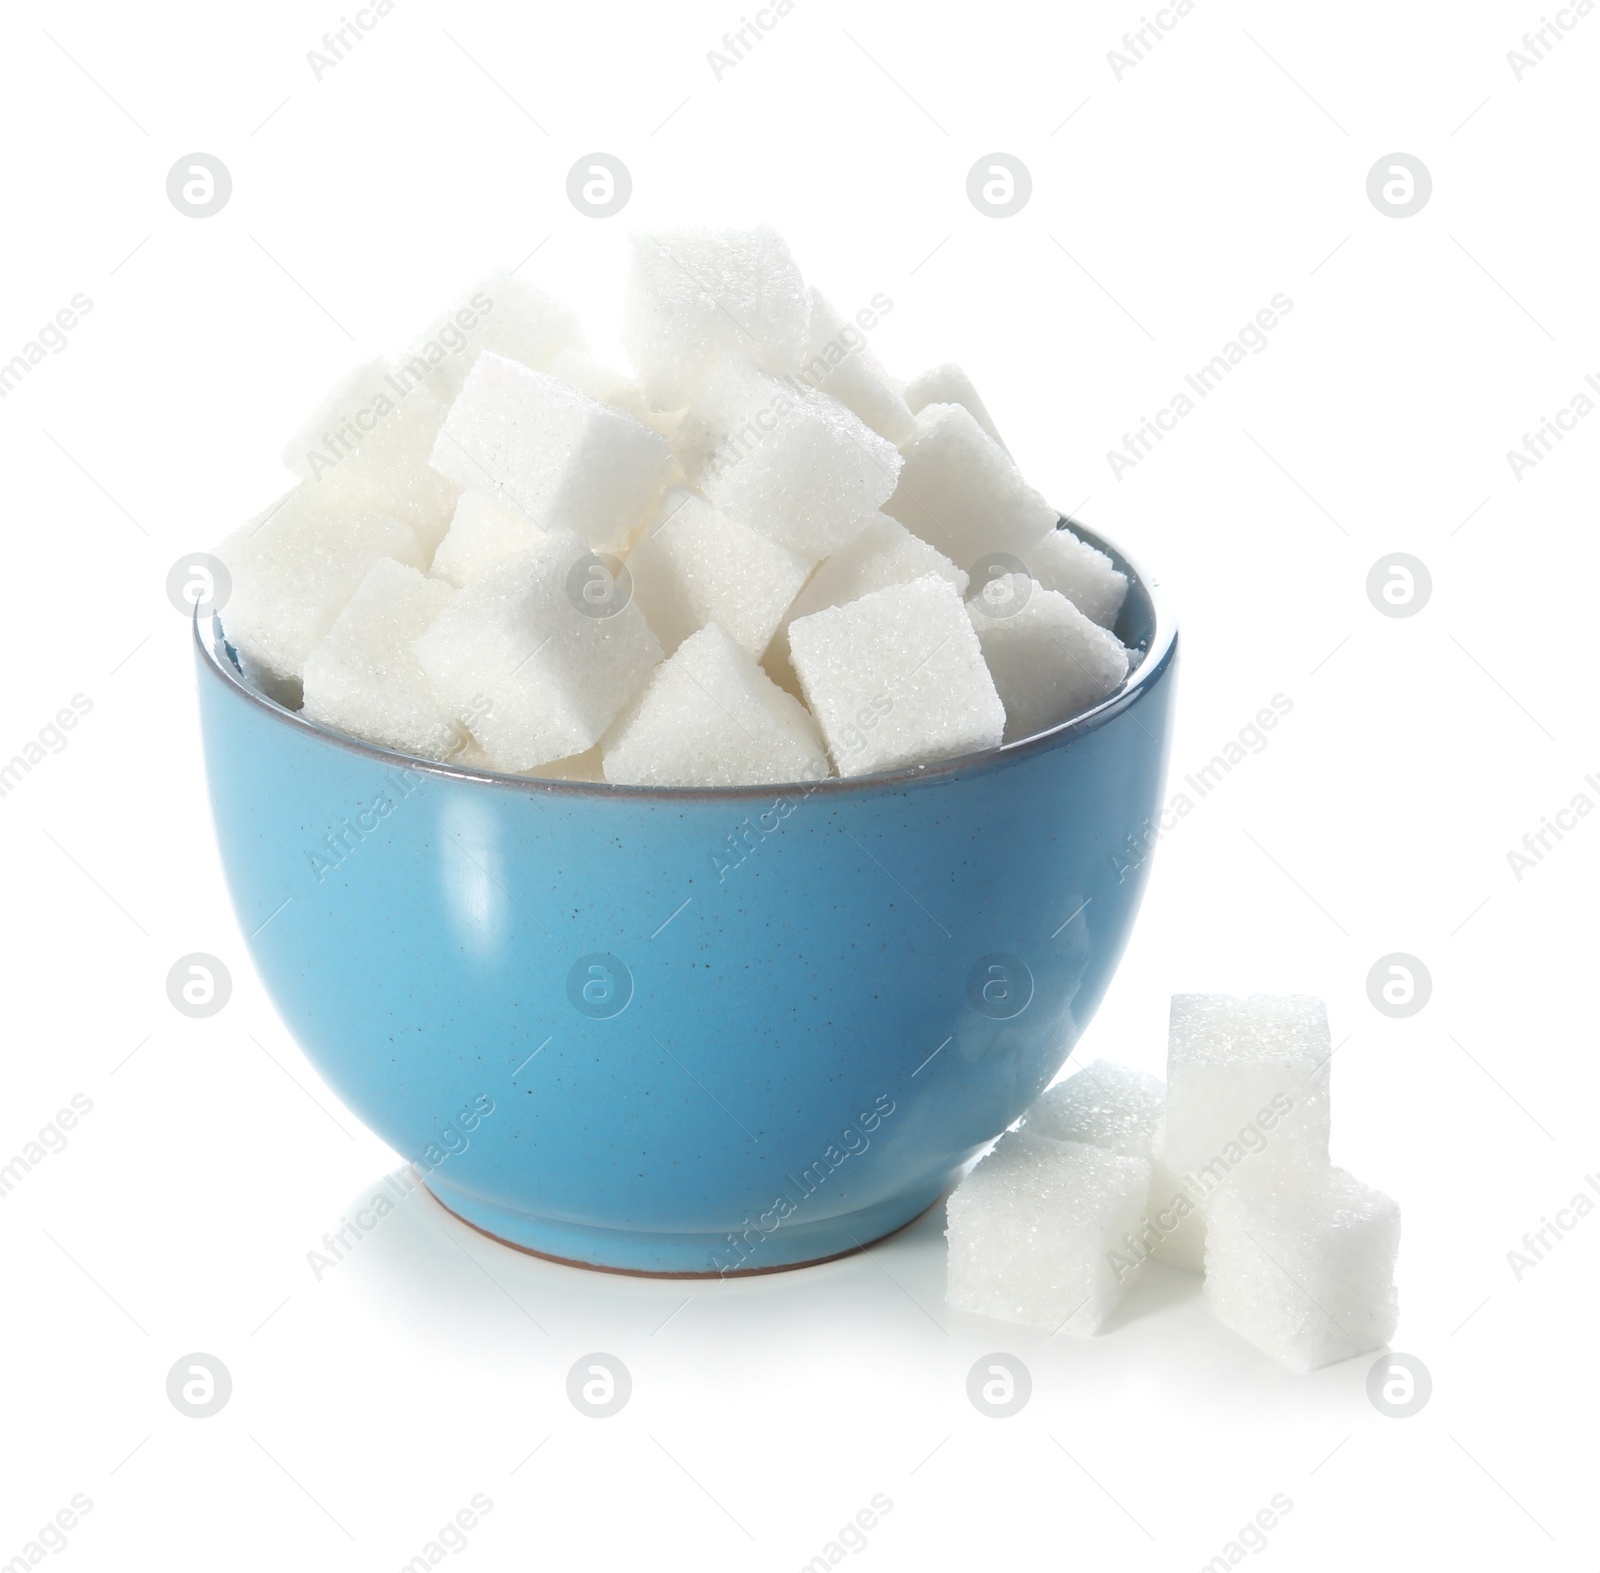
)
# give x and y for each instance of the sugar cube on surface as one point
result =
(367, 445)
(711, 717)
(363, 677)
(504, 314)
(1105, 1105)
(840, 363)
(294, 568)
(897, 678)
(1301, 1263)
(1247, 1084)
(960, 491)
(482, 532)
(695, 566)
(1060, 561)
(545, 670)
(1039, 1233)
(562, 460)
(696, 294)
(1048, 661)
(949, 384)
(884, 553)
(811, 477)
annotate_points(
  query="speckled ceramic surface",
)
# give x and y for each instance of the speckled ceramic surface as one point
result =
(685, 1031)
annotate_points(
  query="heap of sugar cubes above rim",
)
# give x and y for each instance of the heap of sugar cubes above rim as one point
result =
(760, 559)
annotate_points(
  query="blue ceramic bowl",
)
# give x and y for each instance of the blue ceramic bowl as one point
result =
(681, 1031)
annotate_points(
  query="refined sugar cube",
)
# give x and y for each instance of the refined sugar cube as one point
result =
(839, 363)
(1048, 661)
(1301, 1263)
(1247, 1079)
(884, 553)
(694, 295)
(949, 384)
(481, 533)
(1073, 568)
(1177, 1215)
(1105, 1105)
(294, 568)
(696, 566)
(363, 676)
(557, 457)
(504, 314)
(711, 717)
(897, 678)
(960, 492)
(366, 447)
(811, 477)
(1040, 1233)
(520, 645)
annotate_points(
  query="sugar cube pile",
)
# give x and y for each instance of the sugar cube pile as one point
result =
(1234, 1181)
(756, 558)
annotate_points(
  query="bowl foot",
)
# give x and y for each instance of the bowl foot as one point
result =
(741, 1254)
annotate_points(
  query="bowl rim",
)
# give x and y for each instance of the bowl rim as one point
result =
(1141, 678)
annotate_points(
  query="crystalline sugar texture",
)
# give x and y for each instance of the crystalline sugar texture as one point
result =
(1247, 1084)
(367, 445)
(840, 363)
(503, 314)
(295, 567)
(949, 384)
(960, 492)
(562, 460)
(363, 677)
(481, 533)
(896, 678)
(1301, 1263)
(696, 566)
(1105, 1105)
(811, 479)
(1048, 661)
(1038, 1233)
(711, 717)
(547, 676)
(1071, 567)
(696, 294)
(884, 553)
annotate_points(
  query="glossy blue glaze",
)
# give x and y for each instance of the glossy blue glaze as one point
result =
(813, 1036)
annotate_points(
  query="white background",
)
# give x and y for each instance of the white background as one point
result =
(1167, 208)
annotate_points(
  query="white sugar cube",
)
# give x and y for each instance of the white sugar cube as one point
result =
(811, 479)
(696, 566)
(711, 717)
(504, 314)
(896, 678)
(367, 445)
(363, 677)
(1301, 1263)
(696, 294)
(1062, 562)
(1048, 661)
(840, 363)
(482, 532)
(1177, 1226)
(1247, 1084)
(294, 568)
(524, 641)
(557, 457)
(1105, 1105)
(949, 384)
(580, 370)
(960, 492)
(1040, 1233)
(884, 553)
